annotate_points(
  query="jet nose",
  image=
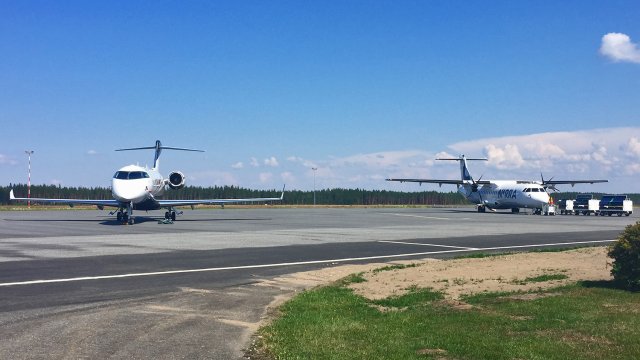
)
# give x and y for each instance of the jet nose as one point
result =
(124, 191)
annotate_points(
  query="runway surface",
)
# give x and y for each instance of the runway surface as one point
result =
(78, 284)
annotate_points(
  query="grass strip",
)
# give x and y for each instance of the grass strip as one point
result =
(581, 321)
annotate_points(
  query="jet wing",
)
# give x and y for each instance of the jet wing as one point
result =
(69, 202)
(165, 203)
(440, 182)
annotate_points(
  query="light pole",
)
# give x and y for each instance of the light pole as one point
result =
(29, 152)
(314, 185)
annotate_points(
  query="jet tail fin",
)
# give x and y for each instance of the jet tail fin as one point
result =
(158, 149)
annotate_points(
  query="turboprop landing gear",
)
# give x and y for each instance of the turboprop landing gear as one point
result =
(482, 208)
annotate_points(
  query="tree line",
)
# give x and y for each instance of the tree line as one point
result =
(337, 196)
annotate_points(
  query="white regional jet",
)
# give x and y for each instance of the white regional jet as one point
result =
(501, 194)
(137, 188)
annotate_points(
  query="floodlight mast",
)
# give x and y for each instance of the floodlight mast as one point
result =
(314, 185)
(29, 153)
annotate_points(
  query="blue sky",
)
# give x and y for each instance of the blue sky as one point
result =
(362, 90)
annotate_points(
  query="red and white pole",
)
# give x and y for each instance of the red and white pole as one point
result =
(29, 152)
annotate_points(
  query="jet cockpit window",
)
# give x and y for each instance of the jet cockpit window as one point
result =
(138, 175)
(124, 175)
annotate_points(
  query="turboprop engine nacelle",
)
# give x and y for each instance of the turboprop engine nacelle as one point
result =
(176, 180)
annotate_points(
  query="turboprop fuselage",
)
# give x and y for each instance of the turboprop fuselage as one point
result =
(505, 194)
(500, 194)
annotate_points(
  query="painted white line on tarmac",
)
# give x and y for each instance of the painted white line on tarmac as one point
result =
(262, 266)
(421, 244)
(427, 217)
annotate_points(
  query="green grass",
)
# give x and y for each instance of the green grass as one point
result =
(582, 321)
(394, 267)
(352, 279)
(415, 297)
(542, 278)
(481, 255)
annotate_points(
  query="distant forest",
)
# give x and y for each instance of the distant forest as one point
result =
(291, 197)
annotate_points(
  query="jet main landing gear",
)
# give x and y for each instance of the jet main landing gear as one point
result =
(170, 215)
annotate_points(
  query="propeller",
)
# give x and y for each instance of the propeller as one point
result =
(474, 187)
(546, 185)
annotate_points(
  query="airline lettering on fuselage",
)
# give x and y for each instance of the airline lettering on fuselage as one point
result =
(507, 194)
(157, 182)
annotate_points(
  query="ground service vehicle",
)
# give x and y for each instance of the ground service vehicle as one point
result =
(615, 204)
(565, 206)
(585, 204)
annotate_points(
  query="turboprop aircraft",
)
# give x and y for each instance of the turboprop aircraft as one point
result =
(137, 188)
(501, 194)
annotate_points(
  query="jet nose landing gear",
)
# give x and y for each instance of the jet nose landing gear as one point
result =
(124, 216)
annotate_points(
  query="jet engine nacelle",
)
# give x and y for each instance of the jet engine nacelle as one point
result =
(176, 180)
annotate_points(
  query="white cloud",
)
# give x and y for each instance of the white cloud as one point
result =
(254, 162)
(609, 153)
(583, 154)
(564, 145)
(600, 155)
(632, 169)
(210, 178)
(304, 162)
(618, 47)
(288, 177)
(55, 182)
(265, 177)
(238, 165)
(632, 147)
(6, 160)
(92, 152)
(382, 160)
(271, 161)
(504, 158)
